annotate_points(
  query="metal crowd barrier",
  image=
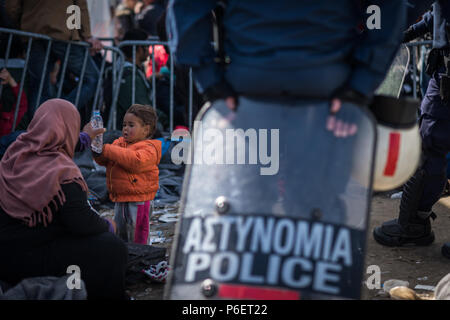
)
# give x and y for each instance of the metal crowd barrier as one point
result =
(30, 36)
(118, 60)
(114, 41)
(97, 99)
(151, 43)
(111, 40)
(108, 53)
(414, 46)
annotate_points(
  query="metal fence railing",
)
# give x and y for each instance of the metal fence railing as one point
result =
(118, 60)
(112, 58)
(30, 37)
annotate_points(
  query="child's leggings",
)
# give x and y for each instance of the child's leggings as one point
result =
(133, 221)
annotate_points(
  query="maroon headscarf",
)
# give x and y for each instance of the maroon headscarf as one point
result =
(39, 161)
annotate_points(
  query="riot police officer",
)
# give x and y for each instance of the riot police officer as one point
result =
(311, 49)
(423, 190)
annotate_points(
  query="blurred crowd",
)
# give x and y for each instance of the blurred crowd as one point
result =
(110, 22)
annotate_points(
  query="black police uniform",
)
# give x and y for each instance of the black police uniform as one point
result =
(424, 189)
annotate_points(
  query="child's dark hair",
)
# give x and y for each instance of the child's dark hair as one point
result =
(147, 115)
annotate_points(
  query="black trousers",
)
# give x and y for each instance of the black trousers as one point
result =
(101, 259)
(435, 144)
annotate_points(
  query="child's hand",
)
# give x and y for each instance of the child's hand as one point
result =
(92, 133)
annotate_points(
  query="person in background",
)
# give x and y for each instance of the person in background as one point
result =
(142, 86)
(147, 18)
(102, 22)
(125, 17)
(7, 116)
(49, 18)
(10, 77)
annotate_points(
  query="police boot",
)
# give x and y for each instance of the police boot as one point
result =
(412, 227)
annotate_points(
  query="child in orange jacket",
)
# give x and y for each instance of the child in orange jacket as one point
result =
(132, 172)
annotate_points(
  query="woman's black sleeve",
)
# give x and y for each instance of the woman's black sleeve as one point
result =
(77, 215)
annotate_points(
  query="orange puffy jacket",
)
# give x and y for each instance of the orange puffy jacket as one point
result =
(131, 169)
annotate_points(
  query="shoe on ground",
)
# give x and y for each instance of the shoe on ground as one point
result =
(392, 234)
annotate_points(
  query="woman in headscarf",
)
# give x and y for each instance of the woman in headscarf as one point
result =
(46, 223)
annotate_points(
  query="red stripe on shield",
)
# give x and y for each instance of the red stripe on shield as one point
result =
(256, 293)
(393, 154)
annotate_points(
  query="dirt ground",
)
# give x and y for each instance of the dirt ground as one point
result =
(418, 266)
(151, 290)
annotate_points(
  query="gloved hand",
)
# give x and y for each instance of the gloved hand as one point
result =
(341, 128)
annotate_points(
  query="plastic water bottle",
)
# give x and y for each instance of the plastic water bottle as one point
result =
(97, 123)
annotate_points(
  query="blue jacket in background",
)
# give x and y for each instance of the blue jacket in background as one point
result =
(306, 48)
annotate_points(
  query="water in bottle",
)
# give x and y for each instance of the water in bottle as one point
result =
(97, 123)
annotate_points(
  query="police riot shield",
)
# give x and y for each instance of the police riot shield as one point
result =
(393, 83)
(274, 206)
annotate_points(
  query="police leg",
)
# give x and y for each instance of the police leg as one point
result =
(412, 227)
(421, 192)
